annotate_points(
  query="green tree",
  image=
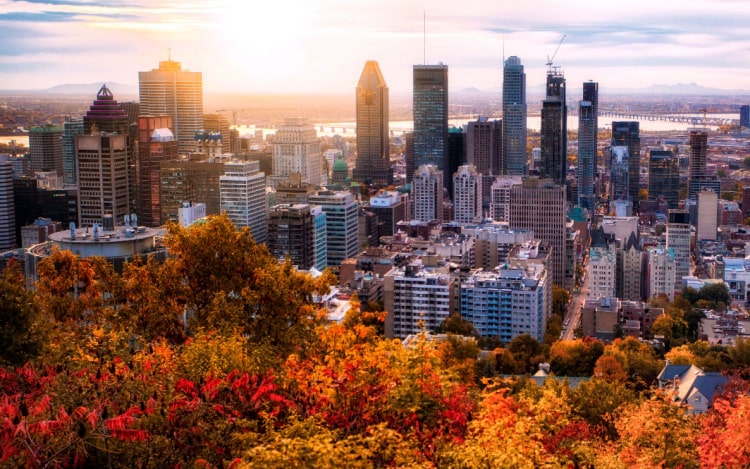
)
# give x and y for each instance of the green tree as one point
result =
(526, 351)
(560, 300)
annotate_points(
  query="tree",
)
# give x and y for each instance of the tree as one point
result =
(560, 300)
(455, 324)
(724, 433)
(610, 369)
(526, 352)
(21, 334)
(575, 357)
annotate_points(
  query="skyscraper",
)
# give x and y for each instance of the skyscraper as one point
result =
(664, 177)
(467, 195)
(698, 177)
(219, 123)
(628, 134)
(745, 115)
(103, 177)
(484, 147)
(7, 211)
(554, 138)
(373, 154)
(70, 130)
(430, 103)
(342, 229)
(169, 90)
(243, 197)
(46, 150)
(586, 154)
(539, 205)
(296, 149)
(156, 144)
(456, 152)
(514, 118)
(291, 232)
(106, 115)
(678, 241)
(591, 94)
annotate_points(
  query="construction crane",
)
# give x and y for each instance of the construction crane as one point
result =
(550, 59)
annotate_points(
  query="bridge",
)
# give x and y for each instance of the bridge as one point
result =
(680, 118)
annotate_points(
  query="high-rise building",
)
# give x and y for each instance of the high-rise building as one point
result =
(103, 177)
(707, 223)
(342, 229)
(554, 137)
(699, 178)
(587, 144)
(514, 159)
(591, 94)
(427, 193)
(500, 197)
(493, 242)
(33, 201)
(678, 241)
(373, 154)
(430, 104)
(191, 181)
(456, 152)
(539, 205)
(484, 148)
(627, 134)
(291, 232)
(629, 269)
(70, 130)
(169, 90)
(321, 237)
(664, 177)
(602, 265)
(7, 208)
(156, 144)
(243, 197)
(296, 149)
(662, 268)
(390, 209)
(467, 195)
(745, 115)
(619, 174)
(106, 115)
(46, 150)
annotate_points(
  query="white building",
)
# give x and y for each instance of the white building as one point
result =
(661, 272)
(467, 195)
(707, 223)
(416, 298)
(242, 191)
(602, 270)
(500, 197)
(296, 149)
(189, 213)
(427, 192)
(7, 212)
(678, 240)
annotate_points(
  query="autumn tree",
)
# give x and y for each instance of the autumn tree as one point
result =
(575, 357)
(21, 331)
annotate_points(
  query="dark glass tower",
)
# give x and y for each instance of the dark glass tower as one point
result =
(699, 178)
(373, 163)
(745, 115)
(554, 139)
(586, 154)
(664, 177)
(430, 101)
(456, 152)
(627, 134)
(514, 118)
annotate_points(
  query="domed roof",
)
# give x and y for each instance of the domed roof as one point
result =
(162, 135)
(340, 165)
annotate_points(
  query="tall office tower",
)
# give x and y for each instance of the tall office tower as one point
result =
(745, 115)
(219, 123)
(664, 177)
(539, 205)
(430, 103)
(514, 118)
(619, 174)
(629, 269)
(7, 208)
(416, 298)
(456, 152)
(409, 156)
(156, 144)
(678, 240)
(70, 130)
(467, 195)
(427, 193)
(554, 138)
(662, 267)
(698, 178)
(103, 177)
(341, 224)
(707, 223)
(321, 237)
(586, 154)
(189, 181)
(169, 90)
(373, 154)
(243, 197)
(296, 149)
(390, 209)
(291, 232)
(591, 94)
(484, 147)
(628, 134)
(509, 301)
(46, 150)
(500, 197)
(106, 115)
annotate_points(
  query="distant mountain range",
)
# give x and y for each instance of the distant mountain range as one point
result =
(87, 89)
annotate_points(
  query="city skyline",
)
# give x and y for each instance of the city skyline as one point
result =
(273, 47)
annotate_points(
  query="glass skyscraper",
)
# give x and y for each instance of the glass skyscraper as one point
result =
(628, 134)
(373, 155)
(554, 139)
(514, 118)
(430, 100)
(587, 128)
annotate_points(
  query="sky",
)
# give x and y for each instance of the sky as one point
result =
(320, 46)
